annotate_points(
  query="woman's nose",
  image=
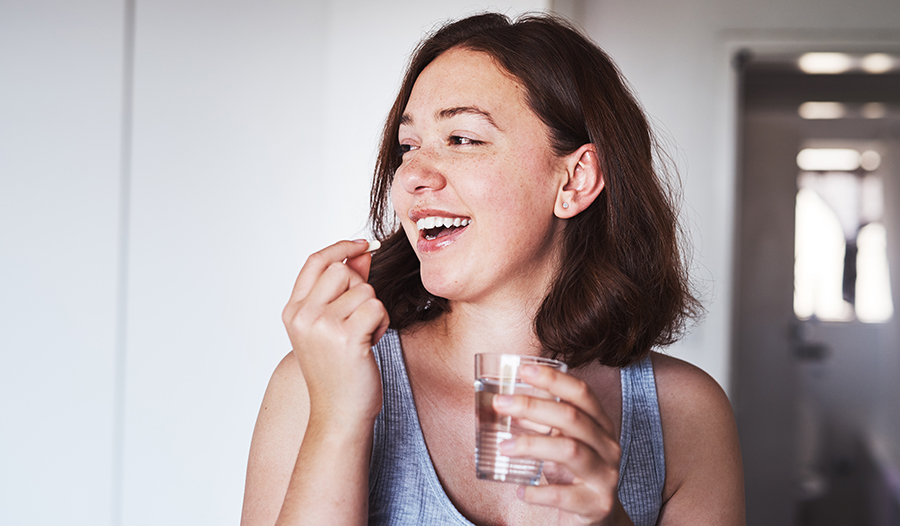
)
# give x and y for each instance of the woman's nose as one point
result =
(420, 172)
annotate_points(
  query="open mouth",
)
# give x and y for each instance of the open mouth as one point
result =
(436, 227)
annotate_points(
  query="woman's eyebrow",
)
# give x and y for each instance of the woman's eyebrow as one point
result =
(407, 120)
(471, 110)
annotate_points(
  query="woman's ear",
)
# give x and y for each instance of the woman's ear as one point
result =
(584, 182)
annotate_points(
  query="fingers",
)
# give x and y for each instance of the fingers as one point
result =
(566, 418)
(372, 315)
(317, 263)
(590, 505)
(344, 305)
(361, 264)
(332, 283)
(339, 302)
(582, 460)
(578, 414)
(359, 307)
(330, 291)
(568, 389)
(591, 479)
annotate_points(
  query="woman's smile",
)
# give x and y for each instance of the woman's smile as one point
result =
(437, 229)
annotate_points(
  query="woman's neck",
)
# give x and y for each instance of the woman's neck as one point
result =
(469, 329)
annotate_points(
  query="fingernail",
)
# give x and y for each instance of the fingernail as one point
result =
(530, 370)
(520, 492)
(503, 400)
(361, 241)
(508, 445)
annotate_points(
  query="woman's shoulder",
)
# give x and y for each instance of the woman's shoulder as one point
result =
(692, 404)
(690, 400)
(681, 382)
(700, 438)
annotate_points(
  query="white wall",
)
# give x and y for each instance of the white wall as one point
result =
(254, 128)
(60, 123)
(224, 136)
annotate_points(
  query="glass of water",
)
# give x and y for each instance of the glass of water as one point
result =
(499, 374)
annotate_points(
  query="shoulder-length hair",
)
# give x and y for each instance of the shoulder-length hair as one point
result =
(623, 287)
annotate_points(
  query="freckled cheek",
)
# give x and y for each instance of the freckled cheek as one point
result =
(528, 208)
(514, 186)
(512, 211)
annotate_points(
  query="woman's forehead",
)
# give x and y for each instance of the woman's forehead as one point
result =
(462, 78)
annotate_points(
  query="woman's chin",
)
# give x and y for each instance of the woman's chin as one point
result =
(441, 286)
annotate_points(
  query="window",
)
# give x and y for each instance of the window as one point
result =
(840, 257)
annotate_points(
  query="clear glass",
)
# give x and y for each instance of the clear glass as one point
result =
(497, 374)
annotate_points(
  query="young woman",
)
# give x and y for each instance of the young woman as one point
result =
(519, 209)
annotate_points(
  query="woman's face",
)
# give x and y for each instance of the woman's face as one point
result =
(479, 160)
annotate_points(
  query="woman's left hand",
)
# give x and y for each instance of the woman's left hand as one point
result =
(582, 447)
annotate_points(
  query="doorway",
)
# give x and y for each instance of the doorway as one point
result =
(814, 381)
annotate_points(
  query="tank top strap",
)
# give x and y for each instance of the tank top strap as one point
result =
(642, 470)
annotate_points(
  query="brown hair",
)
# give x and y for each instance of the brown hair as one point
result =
(623, 287)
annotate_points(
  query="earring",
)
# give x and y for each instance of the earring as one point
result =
(565, 205)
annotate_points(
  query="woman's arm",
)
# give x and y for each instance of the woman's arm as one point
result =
(327, 471)
(309, 458)
(279, 431)
(704, 473)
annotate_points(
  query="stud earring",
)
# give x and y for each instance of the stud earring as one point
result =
(565, 205)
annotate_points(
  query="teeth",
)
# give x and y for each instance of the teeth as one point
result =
(430, 222)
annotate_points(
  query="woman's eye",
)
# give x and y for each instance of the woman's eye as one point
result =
(463, 141)
(403, 148)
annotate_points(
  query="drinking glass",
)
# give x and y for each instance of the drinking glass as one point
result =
(499, 374)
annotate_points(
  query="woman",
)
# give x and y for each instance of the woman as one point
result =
(528, 219)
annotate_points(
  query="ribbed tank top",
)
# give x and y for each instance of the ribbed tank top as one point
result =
(404, 489)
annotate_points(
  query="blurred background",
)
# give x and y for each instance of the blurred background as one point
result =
(167, 166)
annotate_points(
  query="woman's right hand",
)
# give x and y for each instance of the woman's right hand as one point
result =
(332, 319)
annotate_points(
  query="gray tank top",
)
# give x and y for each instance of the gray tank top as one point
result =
(404, 489)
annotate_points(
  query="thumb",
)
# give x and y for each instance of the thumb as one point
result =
(361, 264)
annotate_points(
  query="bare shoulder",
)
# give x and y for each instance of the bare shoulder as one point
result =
(686, 390)
(280, 426)
(704, 473)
